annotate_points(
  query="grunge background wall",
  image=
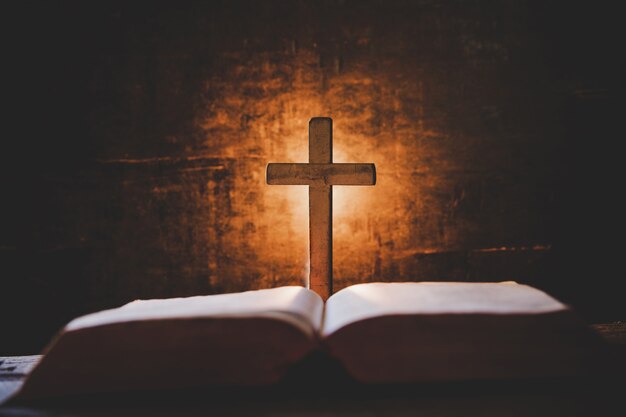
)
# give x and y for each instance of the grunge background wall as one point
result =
(139, 132)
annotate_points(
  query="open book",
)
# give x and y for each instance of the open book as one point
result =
(380, 333)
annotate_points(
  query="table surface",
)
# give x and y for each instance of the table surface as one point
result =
(601, 395)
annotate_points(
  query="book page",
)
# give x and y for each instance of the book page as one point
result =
(364, 301)
(13, 372)
(296, 305)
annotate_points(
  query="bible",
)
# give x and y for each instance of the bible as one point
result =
(379, 332)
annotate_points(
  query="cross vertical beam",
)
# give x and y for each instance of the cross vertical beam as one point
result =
(321, 210)
(320, 174)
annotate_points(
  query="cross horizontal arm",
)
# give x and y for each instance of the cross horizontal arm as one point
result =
(321, 174)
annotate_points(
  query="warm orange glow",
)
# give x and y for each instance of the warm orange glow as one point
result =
(352, 206)
(276, 130)
(259, 113)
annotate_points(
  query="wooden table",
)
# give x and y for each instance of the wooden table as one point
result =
(593, 396)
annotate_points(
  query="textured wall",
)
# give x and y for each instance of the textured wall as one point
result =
(145, 174)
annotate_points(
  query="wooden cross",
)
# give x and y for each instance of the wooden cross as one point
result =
(320, 174)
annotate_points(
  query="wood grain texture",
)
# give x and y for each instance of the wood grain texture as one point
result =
(320, 277)
(139, 137)
(320, 174)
